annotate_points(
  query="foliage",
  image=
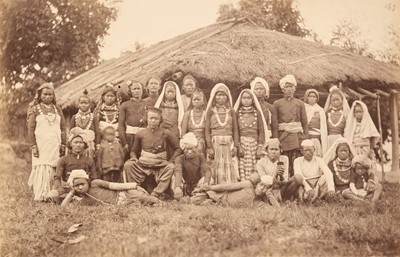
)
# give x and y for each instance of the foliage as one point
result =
(179, 229)
(278, 15)
(47, 41)
(392, 53)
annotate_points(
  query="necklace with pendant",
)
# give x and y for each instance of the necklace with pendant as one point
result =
(201, 120)
(222, 124)
(50, 116)
(243, 122)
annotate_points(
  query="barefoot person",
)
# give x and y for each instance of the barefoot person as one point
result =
(102, 192)
(149, 154)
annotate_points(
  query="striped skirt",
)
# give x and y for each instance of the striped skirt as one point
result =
(247, 164)
(225, 167)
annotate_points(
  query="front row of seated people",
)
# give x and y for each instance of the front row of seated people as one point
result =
(339, 172)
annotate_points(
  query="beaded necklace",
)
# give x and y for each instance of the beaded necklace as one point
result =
(241, 116)
(83, 116)
(113, 109)
(222, 124)
(201, 120)
(94, 198)
(50, 114)
(338, 171)
(338, 122)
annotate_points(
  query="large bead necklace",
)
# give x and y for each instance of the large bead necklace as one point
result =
(201, 120)
(50, 116)
(222, 124)
(113, 109)
(330, 118)
(83, 117)
(338, 171)
(241, 116)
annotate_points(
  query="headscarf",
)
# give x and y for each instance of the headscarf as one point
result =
(76, 174)
(220, 87)
(78, 132)
(307, 142)
(188, 139)
(287, 79)
(262, 81)
(267, 180)
(345, 105)
(330, 154)
(178, 99)
(310, 110)
(257, 105)
(272, 142)
(368, 128)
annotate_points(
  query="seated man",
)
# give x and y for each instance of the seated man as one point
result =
(189, 168)
(253, 192)
(75, 159)
(318, 178)
(103, 192)
(149, 155)
(277, 166)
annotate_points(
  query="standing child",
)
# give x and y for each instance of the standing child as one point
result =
(189, 85)
(363, 181)
(107, 110)
(222, 137)
(110, 158)
(252, 132)
(194, 119)
(85, 120)
(46, 133)
(336, 109)
(316, 122)
(170, 102)
(361, 130)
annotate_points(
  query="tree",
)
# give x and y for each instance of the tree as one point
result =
(278, 15)
(47, 41)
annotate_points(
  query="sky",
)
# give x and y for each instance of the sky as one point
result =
(151, 21)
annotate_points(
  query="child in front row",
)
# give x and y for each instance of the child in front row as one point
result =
(110, 157)
(363, 181)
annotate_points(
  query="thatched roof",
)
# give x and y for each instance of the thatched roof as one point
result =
(234, 52)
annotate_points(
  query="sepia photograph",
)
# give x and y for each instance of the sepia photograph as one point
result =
(199, 128)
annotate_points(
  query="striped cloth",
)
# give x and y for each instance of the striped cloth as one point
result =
(225, 167)
(248, 162)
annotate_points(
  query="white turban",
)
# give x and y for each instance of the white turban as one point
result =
(76, 174)
(188, 139)
(259, 80)
(307, 142)
(267, 180)
(287, 79)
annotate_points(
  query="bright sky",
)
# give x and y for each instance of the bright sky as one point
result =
(151, 21)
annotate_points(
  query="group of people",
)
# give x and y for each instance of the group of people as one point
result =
(175, 144)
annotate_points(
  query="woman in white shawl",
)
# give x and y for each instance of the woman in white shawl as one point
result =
(336, 108)
(360, 129)
(222, 137)
(170, 102)
(252, 132)
(316, 122)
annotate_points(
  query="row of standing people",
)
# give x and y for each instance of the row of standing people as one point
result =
(223, 131)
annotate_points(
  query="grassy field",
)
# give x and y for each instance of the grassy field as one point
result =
(179, 229)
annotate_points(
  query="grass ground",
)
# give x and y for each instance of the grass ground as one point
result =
(179, 229)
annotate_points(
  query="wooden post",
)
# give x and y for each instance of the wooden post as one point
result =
(394, 113)
(378, 106)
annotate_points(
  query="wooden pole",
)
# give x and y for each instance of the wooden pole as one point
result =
(378, 106)
(394, 113)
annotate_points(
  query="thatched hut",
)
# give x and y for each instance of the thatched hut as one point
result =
(234, 52)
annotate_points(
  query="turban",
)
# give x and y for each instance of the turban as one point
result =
(273, 142)
(76, 174)
(363, 160)
(267, 180)
(308, 92)
(307, 142)
(188, 139)
(78, 132)
(287, 79)
(259, 80)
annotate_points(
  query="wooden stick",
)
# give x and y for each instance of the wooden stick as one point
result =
(378, 106)
(382, 93)
(362, 90)
(311, 57)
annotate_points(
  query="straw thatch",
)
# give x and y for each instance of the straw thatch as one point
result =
(235, 52)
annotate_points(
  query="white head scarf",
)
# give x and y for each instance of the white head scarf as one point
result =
(178, 99)
(330, 154)
(220, 87)
(262, 81)
(287, 79)
(76, 174)
(188, 139)
(257, 105)
(368, 128)
(328, 105)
